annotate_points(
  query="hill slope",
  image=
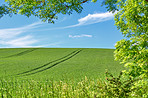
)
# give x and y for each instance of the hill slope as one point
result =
(57, 63)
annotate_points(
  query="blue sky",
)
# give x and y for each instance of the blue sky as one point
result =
(93, 28)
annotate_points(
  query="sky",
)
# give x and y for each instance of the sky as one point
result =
(92, 28)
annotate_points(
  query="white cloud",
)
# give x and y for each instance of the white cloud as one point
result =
(9, 37)
(78, 36)
(89, 19)
(19, 42)
(12, 32)
(93, 18)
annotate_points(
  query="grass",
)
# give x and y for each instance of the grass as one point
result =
(47, 89)
(57, 63)
(50, 89)
(55, 72)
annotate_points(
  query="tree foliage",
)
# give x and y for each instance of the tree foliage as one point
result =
(3, 10)
(46, 10)
(132, 20)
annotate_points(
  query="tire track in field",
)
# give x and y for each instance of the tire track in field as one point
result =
(55, 64)
(21, 53)
(48, 63)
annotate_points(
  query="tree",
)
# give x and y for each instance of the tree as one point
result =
(46, 10)
(3, 10)
(132, 20)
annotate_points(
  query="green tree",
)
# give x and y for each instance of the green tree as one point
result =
(46, 10)
(132, 20)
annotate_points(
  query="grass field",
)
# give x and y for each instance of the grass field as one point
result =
(54, 72)
(57, 63)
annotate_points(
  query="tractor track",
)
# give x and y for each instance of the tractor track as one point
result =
(21, 53)
(54, 64)
(62, 59)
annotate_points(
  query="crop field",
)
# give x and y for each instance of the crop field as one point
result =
(57, 64)
(69, 65)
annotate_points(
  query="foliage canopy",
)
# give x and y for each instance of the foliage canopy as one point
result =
(132, 20)
(46, 10)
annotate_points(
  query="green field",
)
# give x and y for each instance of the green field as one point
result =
(55, 72)
(57, 63)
